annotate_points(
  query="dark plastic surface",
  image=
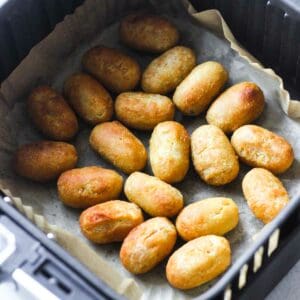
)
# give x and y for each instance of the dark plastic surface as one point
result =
(272, 272)
(23, 23)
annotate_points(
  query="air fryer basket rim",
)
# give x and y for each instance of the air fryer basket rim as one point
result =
(261, 239)
(219, 288)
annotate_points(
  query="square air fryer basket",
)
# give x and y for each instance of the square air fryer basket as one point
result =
(270, 30)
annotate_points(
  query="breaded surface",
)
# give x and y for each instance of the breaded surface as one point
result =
(198, 262)
(146, 32)
(194, 94)
(259, 147)
(115, 70)
(143, 111)
(208, 216)
(51, 114)
(213, 156)
(147, 245)
(87, 186)
(165, 72)
(44, 161)
(110, 221)
(265, 194)
(89, 98)
(170, 151)
(239, 105)
(119, 146)
(154, 196)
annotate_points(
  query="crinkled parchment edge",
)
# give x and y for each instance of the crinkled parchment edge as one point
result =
(213, 20)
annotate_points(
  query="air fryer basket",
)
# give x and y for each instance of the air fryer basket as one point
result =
(268, 29)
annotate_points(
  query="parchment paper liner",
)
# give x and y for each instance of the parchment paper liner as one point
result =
(42, 65)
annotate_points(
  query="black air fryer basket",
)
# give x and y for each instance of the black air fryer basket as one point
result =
(270, 30)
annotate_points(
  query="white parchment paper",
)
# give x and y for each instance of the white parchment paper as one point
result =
(58, 56)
